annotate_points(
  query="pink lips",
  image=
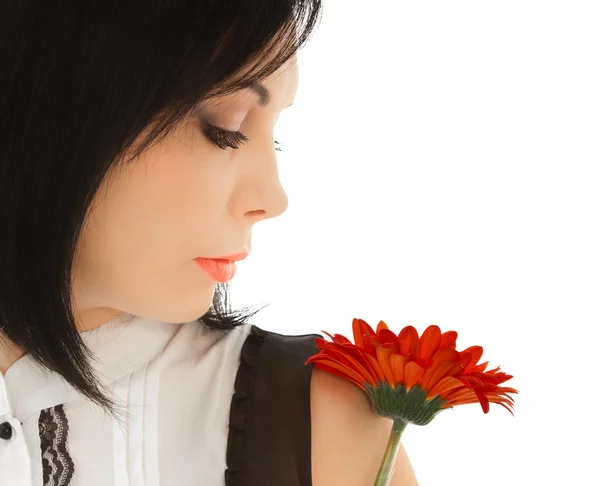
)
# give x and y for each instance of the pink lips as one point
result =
(236, 257)
(221, 269)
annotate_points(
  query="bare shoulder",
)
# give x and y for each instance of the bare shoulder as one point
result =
(348, 438)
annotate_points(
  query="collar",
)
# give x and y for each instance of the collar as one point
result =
(119, 346)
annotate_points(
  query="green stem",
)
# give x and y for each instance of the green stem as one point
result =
(386, 470)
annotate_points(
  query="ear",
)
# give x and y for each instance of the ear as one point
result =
(348, 438)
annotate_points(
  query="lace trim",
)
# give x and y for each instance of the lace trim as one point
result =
(57, 465)
(239, 405)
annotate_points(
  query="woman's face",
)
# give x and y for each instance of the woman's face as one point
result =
(186, 198)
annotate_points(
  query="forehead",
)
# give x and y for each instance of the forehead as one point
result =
(279, 86)
(284, 79)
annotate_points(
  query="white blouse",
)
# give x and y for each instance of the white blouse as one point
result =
(177, 381)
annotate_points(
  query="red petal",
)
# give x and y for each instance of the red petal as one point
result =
(380, 326)
(371, 344)
(481, 367)
(502, 404)
(366, 329)
(332, 351)
(444, 387)
(397, 363)
(473, 381)
(383, 356)
(345, 372)
(485, 404)
(415, 349)
(339, 339)
(358, 337)
(446, 354)
(465, 358)
(362, 357)
(412, 374)
(386, 336)
(448, 339)
(341, 374)
(406, 338)
(330, 336)
(424, 363)
(376, 366)
(476, 352)
(342, 357)
(439, 370)
(461, 396)
(502, 377)
(430, 341)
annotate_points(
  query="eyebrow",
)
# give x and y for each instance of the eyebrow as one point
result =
(264, 94)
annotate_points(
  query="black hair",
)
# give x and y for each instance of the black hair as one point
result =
(80, 82)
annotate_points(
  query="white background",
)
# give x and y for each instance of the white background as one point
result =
(441, 162)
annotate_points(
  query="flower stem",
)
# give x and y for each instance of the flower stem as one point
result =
(386, 470)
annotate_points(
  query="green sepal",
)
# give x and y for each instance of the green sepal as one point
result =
(397, 403)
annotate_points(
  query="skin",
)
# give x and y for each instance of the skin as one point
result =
(184, 199)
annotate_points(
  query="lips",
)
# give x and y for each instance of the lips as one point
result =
(236, 257)
(218, 270)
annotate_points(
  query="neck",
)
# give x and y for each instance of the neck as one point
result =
(94, 318)
(9, 354)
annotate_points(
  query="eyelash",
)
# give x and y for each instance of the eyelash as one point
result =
(226, 138)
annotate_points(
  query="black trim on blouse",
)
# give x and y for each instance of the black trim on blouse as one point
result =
(57, 465)
(269, 442)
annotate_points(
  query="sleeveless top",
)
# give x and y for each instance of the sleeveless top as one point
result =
(204, 407)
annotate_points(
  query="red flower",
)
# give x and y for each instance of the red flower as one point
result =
(410, 377)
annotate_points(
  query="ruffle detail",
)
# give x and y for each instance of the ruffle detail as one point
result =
(239, 405)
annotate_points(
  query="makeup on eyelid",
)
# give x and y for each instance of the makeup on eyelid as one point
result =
(234, 122)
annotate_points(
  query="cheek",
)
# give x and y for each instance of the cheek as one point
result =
(134, 244)
(161, 213)
(192, 184)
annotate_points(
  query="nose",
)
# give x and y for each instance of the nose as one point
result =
(259, 194)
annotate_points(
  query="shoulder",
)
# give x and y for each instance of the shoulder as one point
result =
(348, 438)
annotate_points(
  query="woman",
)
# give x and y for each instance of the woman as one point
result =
(136, 138)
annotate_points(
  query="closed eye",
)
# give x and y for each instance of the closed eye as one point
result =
(225, 138)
